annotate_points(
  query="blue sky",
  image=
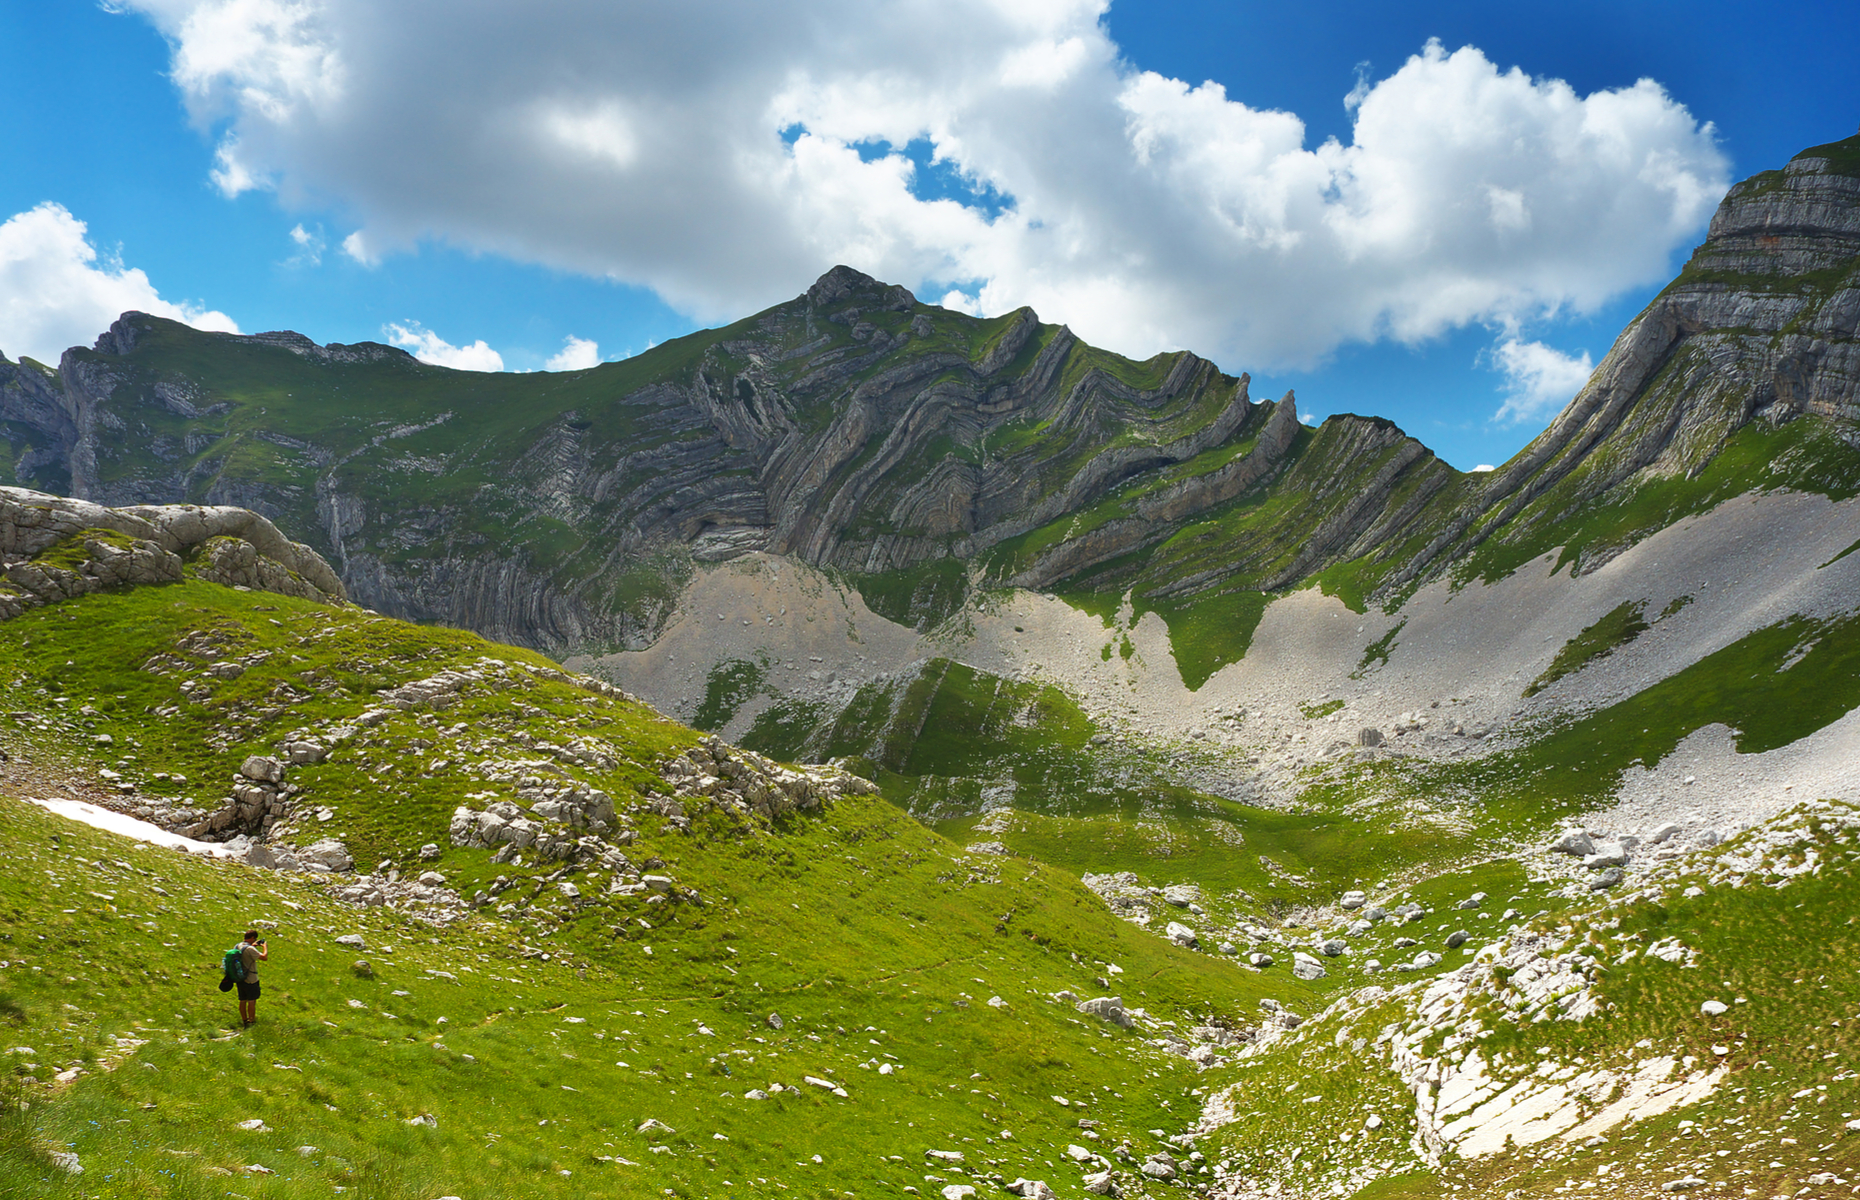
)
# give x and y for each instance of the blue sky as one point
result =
(1082, 166)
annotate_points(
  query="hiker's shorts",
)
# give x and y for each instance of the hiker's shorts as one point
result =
(248, 989)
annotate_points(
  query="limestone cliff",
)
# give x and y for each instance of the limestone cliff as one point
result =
(919, 451)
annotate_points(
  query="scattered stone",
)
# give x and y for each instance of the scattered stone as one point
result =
(1690, 1181)
(1333, 947)
(327, 854)
(255, 1125)
(1373, 1123)
(1662, 834)
(957, 1191)
(774, 1021)
(262, 768)
(1352, 901)
(1257, 959)
(1713, 1008)
(425, 1120)
(1606, 880)
(1100, 1184)
(1606, 856)
(1031, 1189)
(1471, 902)
(1181, 935)
(1181, 894)
(352, 939)
(1574, 842)
(1457, 938)
(1369, 737)
(944, 1156)
(429, 852)
(1304, 967)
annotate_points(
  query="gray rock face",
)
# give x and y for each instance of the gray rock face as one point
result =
(150, 550)
(855, 429)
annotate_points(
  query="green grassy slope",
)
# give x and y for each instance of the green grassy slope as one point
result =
(850, 918)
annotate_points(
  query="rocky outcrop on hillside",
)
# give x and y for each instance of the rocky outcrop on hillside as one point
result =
(55, 548)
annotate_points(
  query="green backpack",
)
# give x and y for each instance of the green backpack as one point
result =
(232, 966)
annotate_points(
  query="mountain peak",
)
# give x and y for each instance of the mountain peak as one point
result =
(843, 284)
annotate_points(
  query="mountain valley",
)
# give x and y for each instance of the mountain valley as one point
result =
(1013, 768)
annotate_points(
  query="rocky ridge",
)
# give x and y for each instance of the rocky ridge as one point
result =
(857, 430)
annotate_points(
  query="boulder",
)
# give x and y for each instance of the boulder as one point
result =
(1333, 947)
(1457, 938)
(326, 855)
(1305, 967)
(1369, 737)
(1662, 834)
(1607, 855)
(352, 939)
(1108, 1008)
(1032, 1189)
(1181, 934)
(1181, 894)
(1352, 901)
(1257, 959)
(1100, 1183)
(1606, 879)
(1574, 842)
(262, 768)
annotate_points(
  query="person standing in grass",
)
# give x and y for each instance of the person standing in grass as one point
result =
(252, 953)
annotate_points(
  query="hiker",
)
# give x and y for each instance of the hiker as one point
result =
(252, 953)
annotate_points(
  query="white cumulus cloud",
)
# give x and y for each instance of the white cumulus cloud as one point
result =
(57, 291)
(309, 247)
(429, 347)
(724, 152)
(576, 354)
(1539, 379)
(356, 247)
